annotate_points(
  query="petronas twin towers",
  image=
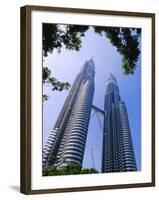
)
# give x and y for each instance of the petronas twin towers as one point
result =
(67, 140)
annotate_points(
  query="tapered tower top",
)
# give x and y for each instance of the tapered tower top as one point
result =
(91, 61)
(111, 79)
(112, 76)
(111, 84)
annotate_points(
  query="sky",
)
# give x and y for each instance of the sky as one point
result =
(66, 65)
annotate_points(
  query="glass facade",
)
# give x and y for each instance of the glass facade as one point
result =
(66, 142)
(117, 152)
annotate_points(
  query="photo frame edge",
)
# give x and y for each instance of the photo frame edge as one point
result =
(25, 95)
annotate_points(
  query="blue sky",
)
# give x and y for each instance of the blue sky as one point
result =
(65, 67)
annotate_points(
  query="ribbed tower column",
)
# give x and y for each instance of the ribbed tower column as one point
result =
(75, 142)
(67, 140)
(117, 152)
(127, 156)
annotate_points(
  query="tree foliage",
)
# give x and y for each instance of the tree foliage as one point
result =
(68, 170)
(56, 36)
(126, 40)
(51, 81)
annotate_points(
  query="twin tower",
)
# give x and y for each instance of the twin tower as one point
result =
(66, 142)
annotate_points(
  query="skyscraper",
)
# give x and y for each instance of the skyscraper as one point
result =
(117, 151)
(66, 142)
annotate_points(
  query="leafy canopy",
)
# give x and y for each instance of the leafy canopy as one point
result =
(68, 170)
(126, 40)
(51, 81)
(56, 36)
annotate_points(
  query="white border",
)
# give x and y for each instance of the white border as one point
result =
(144, 176)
